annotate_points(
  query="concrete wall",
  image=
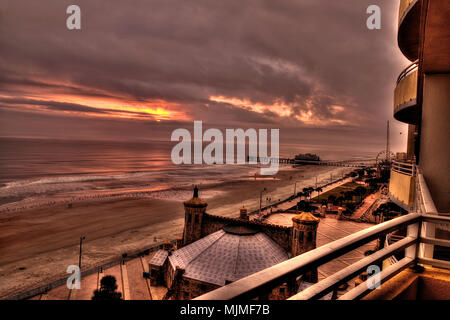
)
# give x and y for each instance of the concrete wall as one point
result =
(410, 142)
(190, 288)
(435, 138)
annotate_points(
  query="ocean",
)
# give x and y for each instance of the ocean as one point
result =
(50, 168)
(40, 171)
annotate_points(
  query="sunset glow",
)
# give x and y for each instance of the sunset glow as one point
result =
(280, 109)
(107, 107)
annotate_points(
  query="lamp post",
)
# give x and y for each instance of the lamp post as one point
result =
(260, 202)
(81, 246)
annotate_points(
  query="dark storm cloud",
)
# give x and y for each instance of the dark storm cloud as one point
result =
(309, 55)
(70, 107)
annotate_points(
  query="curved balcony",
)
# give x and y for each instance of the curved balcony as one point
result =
(405, 95)
(408, 28)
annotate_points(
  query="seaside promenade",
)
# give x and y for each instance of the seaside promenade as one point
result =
(133, 286)
(291, 203)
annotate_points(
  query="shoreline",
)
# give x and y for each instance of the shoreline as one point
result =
(39, 243)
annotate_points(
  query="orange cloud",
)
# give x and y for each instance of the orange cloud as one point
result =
(113, 107)
(281, 109)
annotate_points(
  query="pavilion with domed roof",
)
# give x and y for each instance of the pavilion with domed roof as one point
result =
(217, 250)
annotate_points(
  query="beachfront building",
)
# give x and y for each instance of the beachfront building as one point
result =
(422, 100)
(415, 265)
(217, 250)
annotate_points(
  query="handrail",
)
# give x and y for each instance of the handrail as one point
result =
(416, 245)
(385, 275)
(265, 280)
(403, 167)
(425, 195)
(351, 271)
(270, 278)
(408, 70)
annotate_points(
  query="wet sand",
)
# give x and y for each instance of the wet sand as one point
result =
(38, 244)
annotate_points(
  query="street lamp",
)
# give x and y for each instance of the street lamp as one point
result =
(260, 201)
(295, 188)
(81, 245)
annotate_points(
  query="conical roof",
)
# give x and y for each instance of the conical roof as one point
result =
(224, 256)
(305, 217)
(195, 201)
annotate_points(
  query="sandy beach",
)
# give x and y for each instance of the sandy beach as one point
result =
(39, 244)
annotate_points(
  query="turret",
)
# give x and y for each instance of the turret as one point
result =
(194, 210)
(304, 238)
(243, 215)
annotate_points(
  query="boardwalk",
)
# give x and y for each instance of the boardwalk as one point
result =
(130, 282)
(289, 204)
(333, 163)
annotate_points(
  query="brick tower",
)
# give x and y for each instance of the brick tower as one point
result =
(304, 231)
(243, 215)
(193, 216)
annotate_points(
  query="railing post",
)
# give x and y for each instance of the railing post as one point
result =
(413, 232)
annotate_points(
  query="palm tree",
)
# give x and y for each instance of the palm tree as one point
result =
(331, 198)
(311, 190)
(306, 192)
(318, 190)
(348, 195)
(360, 191)
(107, 290)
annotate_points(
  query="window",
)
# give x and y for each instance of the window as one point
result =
(310, 236)
(196, 218)
(189, 218)
(300, 237)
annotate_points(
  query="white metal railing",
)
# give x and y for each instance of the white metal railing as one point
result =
(262, 282)
(417, 246)
(404, 167)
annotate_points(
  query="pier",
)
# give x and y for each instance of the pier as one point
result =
(333, 163)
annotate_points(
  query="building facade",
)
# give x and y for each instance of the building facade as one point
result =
(422, 100)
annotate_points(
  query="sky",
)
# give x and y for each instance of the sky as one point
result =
(138, 69)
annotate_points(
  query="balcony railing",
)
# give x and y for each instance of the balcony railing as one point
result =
(409, 27)
(402, 184)
(405, 94)
(413, 245)
(404, 167)
(405, 5)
